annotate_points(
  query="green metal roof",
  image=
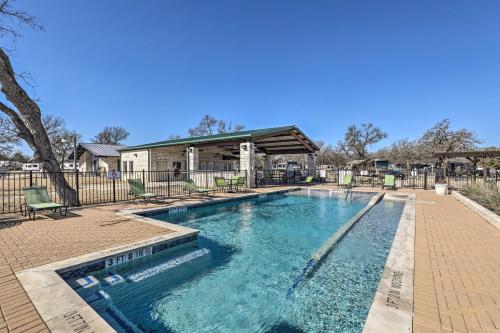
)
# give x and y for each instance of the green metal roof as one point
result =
(212, 138)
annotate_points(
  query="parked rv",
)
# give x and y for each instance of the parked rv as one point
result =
(32, 167)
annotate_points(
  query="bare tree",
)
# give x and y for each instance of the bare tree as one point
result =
(174, 137)
(405, 152)
(23, 111)
(327, 155)
(441, 138)
(8, 136)
(114, 135)
(10, 15)
(209, 125)
(223, 127)
(206, 126)
(357, 140)
(60, 137)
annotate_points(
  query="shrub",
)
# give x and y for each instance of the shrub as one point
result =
(486, 194)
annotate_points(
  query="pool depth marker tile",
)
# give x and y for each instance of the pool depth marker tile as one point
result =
(60, 307)
(392, 307)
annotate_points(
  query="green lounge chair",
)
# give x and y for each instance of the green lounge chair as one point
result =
(220, 183)
(347, 181)
(36, 198)
(138, 191)
(389, 181)
(308, 181)
(191, 187)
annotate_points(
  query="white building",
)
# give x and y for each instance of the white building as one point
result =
(97, 157)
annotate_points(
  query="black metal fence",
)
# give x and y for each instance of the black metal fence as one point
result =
(415, 179)
(95, 188)
(266, 178)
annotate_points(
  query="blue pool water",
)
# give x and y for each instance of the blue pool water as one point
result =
(235, 277)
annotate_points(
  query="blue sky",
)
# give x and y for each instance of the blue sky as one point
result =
(155, 67)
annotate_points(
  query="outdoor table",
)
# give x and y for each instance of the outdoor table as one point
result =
(229, 182)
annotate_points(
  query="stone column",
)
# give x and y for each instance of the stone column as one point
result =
(311, 164)
(247, 161)
(268, 162)
(268, 165)
(193, 159)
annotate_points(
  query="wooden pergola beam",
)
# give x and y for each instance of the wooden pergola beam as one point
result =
(311, 149)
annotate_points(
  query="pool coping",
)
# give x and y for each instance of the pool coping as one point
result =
(479, 209)
(63, 310)
(392, 307)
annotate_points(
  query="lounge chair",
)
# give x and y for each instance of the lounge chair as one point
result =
(389, 181)
(347, 181)
(138, 191)
(36, 198)
(191, 187)
(308, 181)
(220, 183)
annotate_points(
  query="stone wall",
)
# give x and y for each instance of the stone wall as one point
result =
(163, 158)
(108, 163)
(139, 157)
(247, 161)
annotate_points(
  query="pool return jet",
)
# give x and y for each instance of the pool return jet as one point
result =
(313, 264)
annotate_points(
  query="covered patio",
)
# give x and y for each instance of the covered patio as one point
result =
(475, 157)
(227, 152)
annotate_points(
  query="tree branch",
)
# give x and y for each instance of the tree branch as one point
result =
(24, 132)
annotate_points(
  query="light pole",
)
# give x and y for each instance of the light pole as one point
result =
(74, 153)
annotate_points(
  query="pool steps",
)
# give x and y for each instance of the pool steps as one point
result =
(89, 281)
(137, 277)
(313, 264)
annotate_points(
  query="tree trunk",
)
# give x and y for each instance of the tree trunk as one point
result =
(28, 122)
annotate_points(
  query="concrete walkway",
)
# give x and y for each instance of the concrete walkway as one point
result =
(457, 268)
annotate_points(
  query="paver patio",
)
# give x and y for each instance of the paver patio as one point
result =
(457, 263)
(25, 244)
(457, 268)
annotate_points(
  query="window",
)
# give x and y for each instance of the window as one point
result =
(124, 166)
(131, 166)
(177, 168)
(177, 165)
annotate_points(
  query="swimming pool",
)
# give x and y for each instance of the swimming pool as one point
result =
(235, 277)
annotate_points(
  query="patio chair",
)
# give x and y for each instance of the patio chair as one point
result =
(191, 187)
(36, 198)
(240, 183)
(138, 191)
(347, 181)
(308, 181)
(220, 183)
(234, 182)
(389, 181)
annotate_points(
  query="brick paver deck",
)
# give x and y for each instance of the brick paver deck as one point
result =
(457, 261)
(25, 244)
(457, 268)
